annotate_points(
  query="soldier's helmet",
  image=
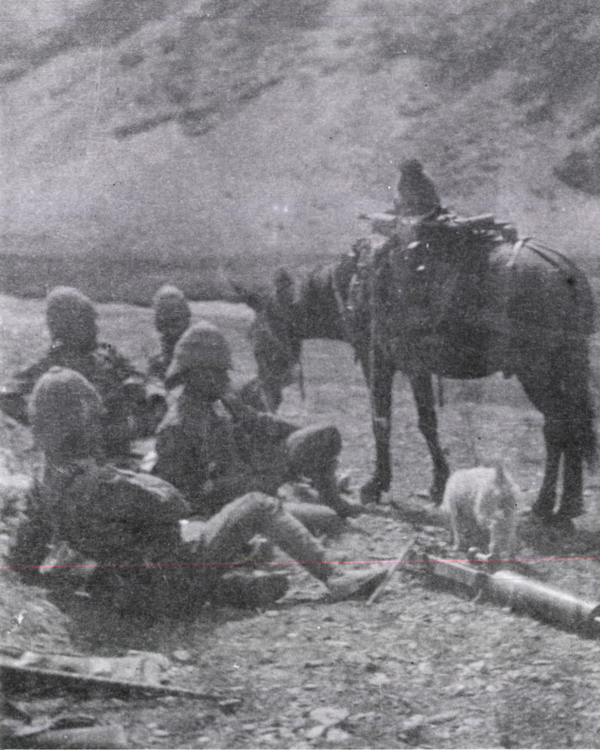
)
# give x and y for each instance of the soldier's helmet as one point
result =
(171, 310)
(70, 315)
(411, 167)
(65, 413)
(201, 346)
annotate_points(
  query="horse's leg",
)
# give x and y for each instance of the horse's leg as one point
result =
(547, 398)
(422, 388)
(380, 383)
(579, 436)
(560, 390)
(544, 505)
(571, 504)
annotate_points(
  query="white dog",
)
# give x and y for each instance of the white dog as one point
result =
(482, 504)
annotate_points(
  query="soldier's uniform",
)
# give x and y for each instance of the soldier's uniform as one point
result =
(132, 408)
(132, 523)
(214, 448)
(252, 394)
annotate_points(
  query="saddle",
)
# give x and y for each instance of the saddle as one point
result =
(438, 267)
(426, 284)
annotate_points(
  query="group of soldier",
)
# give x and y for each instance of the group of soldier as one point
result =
(179, 526)
(195, 505)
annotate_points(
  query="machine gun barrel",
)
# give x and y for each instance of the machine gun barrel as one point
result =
(520, 593)
(543, 601)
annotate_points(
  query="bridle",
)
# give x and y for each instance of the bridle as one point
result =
(270, 344)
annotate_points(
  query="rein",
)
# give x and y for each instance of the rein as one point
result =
(342, 308)
(350, 338)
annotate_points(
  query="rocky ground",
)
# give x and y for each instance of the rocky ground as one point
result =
(197, 141)
(421, 667)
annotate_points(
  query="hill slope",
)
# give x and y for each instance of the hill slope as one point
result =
(195, 140)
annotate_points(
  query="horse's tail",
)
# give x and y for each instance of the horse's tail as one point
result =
(582, 413)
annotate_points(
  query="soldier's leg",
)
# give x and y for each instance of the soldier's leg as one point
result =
(31, 537)
(313, 452)
(223, 537)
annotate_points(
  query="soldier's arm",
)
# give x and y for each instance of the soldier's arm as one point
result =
(13, 394)
(123, 370)
(145, 396)
(260, 424)
(251, 394)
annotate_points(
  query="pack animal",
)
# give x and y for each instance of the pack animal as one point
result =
(482, 504)
(430, 304)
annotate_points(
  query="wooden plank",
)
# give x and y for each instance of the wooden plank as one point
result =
(14, 678)
(383, 585)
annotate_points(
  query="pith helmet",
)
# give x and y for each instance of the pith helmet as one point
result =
(64, 411)
(202, 345)
(411, 166)
(169, 302)
(68, 308)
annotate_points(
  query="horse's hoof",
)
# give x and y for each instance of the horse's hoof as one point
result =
(542, 511)
(348, 509)
(569, 509)
(343, 483)
(563, 519)
(436, 495)
(563, 525)
(370, 493)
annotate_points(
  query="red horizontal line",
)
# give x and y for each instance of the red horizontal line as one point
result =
(277, 563)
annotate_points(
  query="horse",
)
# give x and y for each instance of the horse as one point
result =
(456, 303)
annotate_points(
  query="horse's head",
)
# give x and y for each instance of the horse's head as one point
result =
(273, 334)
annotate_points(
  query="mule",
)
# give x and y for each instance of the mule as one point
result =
(458, 305)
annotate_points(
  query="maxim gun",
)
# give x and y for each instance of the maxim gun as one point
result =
(520, 593)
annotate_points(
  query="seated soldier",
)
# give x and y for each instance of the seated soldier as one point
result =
(172, 316)
(417, 196)
(214, 448)
(131, 409)
(130, 523)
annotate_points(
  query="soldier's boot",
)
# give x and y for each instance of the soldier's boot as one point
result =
(292, 536)
(318, 519)
(294, 539)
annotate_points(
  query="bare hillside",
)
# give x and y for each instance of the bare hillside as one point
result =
(200, 140)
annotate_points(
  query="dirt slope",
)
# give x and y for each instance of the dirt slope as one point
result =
(147, 139)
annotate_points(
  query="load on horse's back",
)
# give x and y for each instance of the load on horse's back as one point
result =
(439, 294)
(465, 297)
